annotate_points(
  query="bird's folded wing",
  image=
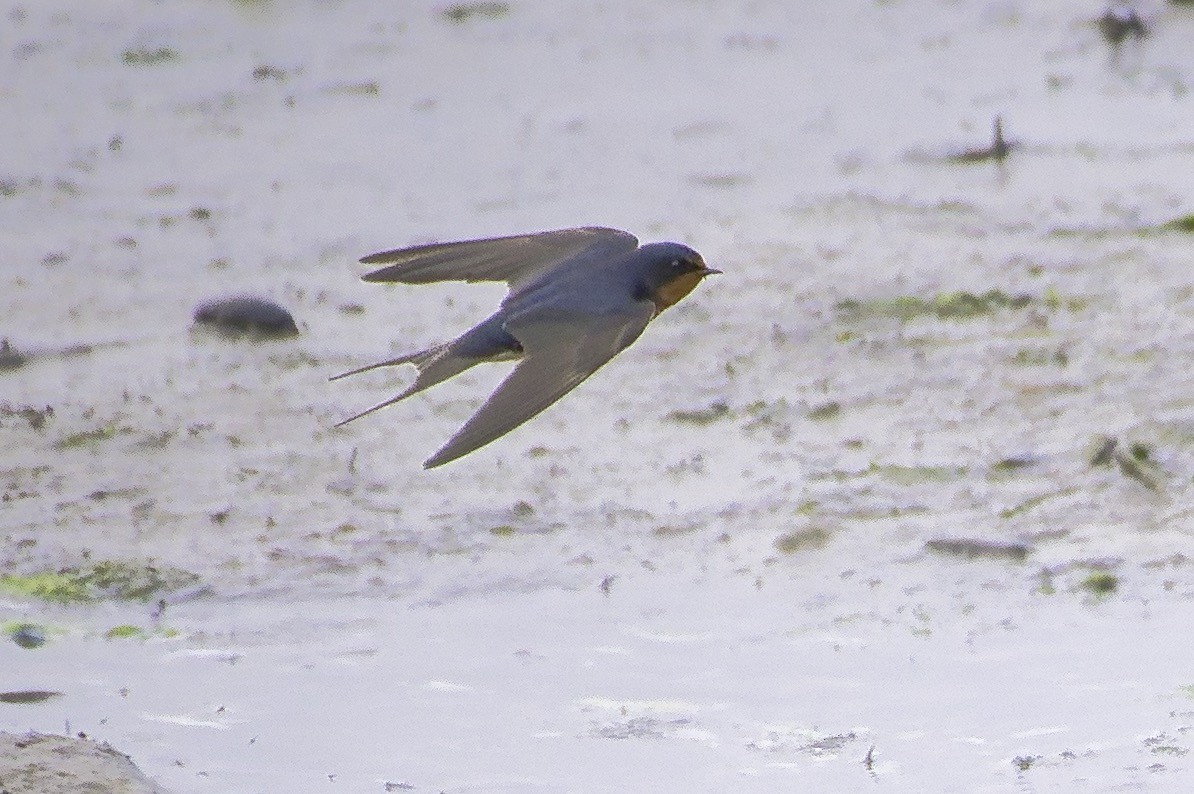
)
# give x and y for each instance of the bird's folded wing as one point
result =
(515, 260)
(559, 354)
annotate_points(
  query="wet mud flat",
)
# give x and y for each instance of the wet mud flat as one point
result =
(904, 498)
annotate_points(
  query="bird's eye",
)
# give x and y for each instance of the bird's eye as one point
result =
(677, 264)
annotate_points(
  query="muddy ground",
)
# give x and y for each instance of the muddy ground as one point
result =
(903, 498)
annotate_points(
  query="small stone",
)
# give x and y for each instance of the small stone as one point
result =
(246, 314)
(29, 635)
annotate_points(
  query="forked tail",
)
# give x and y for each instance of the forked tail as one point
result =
(435, 364)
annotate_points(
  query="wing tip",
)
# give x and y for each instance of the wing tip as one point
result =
(445, 454)
(386, 257)
(382, 275)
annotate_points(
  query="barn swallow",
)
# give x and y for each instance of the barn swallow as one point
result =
(577, 297)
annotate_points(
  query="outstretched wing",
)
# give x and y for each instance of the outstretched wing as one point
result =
(516, 260)
(560, 352)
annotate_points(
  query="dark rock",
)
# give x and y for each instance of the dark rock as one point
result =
(974, 549)
(246, 314)
(28, 635)
(27, 696)
(1119, 23)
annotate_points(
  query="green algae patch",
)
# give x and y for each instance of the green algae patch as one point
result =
(129, 631)
(463, 12)
(1137, 463)
(825, 411)
(132, 581)
(1040, 357)
(85, 438)
(802, 540)
(701, 416)
(960, 305)
(901, 307)
(1009, 466)
(122, 580)
(964, 305)
(1033, 502)
(344, 530)
(125, 631)
(674, 530)
(1101, 583)
(363, 88)
(1183, 224)
(57, 588)
(148, 57)
(503, 531)
(915, 475)
(1054, 300)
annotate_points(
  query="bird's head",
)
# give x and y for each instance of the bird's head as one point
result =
(671, 272)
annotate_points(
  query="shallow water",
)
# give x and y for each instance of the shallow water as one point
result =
(755, 481)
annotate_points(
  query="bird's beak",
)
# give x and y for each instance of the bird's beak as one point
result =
(708, 271)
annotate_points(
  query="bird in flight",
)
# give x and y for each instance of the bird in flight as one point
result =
(577, 298)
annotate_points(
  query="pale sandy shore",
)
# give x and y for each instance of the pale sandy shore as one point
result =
(40, 763)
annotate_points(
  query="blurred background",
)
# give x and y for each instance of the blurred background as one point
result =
(903, 498)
